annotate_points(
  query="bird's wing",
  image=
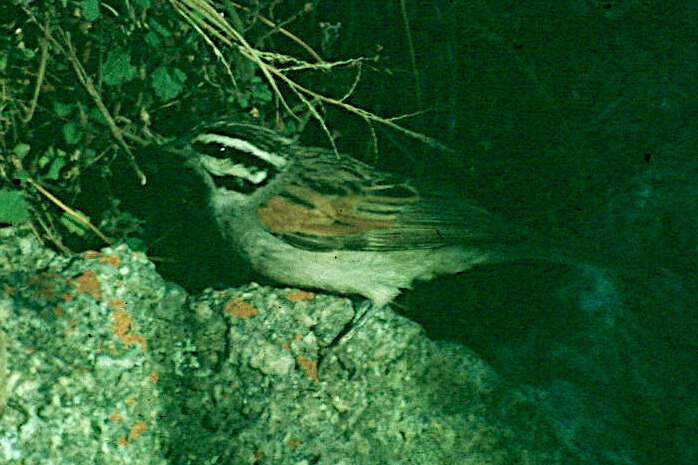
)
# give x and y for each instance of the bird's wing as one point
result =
(343, 204)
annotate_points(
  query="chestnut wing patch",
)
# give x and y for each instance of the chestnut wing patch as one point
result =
(359, 208)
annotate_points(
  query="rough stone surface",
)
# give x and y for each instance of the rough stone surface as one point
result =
(108, 363)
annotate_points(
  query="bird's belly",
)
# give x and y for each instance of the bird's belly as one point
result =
(378, 276)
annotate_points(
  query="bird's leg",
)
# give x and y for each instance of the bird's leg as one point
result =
(364, 311)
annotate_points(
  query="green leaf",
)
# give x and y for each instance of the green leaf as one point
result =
(243, 100)
(96, 115)
(72, 225)
(90, 9)
(159, 28)
(62, 109)
(290, 128)
(262, 94)
(20, 176)
(14, 209)
(118, 68)
(45, 159)
(143, 4)
(48, 157)
(28, 53)
(54, 170)
(21, 150)
(71, 133)
(152, 39)
(168, 82)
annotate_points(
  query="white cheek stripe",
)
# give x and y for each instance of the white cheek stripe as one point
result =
(243, 146)
(223, 167)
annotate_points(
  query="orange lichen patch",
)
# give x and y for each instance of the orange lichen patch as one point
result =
(310, 367)
(67, 296)
(285, 346)
(58, 311)
(297, 295)
(117, 303)
(101, 348)
(238, 307)
(130, 401)
(45, 284)
(298, 337)
(125, 330)
(293, 443)
(88, 282)
(91, 254)
(112, 260)
(47, 290)
(154, 377)
(136, 430)
(115, 417)
(8, 289)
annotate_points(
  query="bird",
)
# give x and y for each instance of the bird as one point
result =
(313, 218)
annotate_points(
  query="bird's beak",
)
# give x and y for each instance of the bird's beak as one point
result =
(179, 147)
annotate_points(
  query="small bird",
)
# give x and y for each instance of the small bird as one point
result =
(312, 218)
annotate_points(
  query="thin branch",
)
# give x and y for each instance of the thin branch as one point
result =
(3, 373)
(205, 9)
(413, 57)
(74, 213)
(283, 31)
(86, 81)
(49, 230)
(204, 14)
(359, 111)
(39, 78)
(354, 84)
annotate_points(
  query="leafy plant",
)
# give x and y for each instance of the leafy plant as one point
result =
(14, 209)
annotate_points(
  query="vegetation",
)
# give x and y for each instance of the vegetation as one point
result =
(88, 84)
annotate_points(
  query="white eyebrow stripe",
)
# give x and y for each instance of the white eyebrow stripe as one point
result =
(243, 146)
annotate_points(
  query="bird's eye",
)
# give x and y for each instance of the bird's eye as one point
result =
(232, 168)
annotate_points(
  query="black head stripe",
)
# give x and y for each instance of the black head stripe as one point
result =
(243, 162)
(217, 150)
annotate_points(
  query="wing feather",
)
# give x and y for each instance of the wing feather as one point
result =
(343, 204)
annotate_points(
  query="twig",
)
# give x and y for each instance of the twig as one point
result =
(360, 112)
(86, 81)
(283, 31)
(214, 18)
(413, 59)
(39, 78)
(205, 15)
(3, 373)
(74, 213)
